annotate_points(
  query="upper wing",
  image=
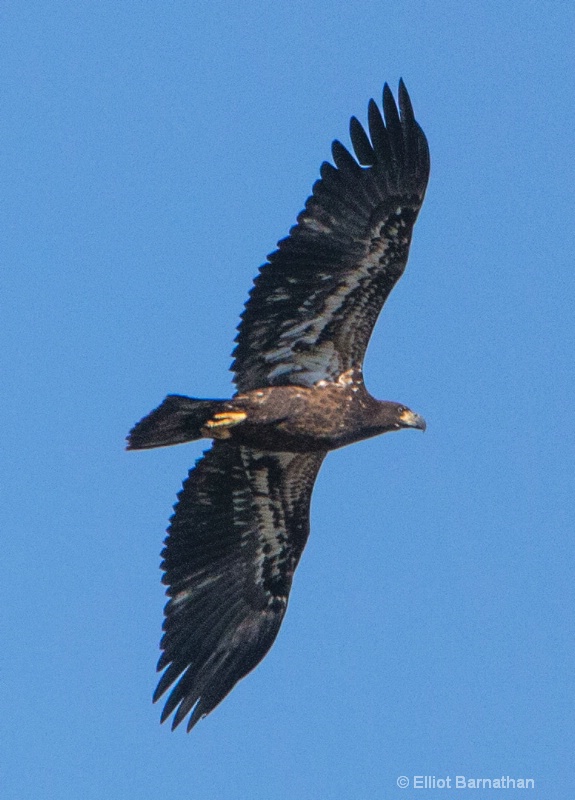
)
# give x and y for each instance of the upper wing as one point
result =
(235, 539)
(314, 303)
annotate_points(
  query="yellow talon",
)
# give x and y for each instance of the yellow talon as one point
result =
(225, 419)
(216, 427)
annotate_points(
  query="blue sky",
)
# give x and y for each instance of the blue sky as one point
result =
(151, 157)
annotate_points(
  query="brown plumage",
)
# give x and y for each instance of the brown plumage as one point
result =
(242, 518)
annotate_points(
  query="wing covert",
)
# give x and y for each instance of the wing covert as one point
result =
(234, 542)
(315, 302)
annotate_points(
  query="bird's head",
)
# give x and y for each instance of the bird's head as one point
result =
(394, 416)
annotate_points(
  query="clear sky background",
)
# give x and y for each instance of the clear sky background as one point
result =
(151, 155)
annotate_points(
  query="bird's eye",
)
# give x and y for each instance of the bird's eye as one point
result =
(401, 410)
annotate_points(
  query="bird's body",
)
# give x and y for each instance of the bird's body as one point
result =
(301, 419)
(293, 419)
(242, 519)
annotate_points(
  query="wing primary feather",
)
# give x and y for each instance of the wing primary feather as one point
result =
(361, 144)
(423, 159)
(185, 706)
(405, 107)
(344, 161)
(393, 125)
(410, 133)
(328, 173)
(170, 675)
(378, 133)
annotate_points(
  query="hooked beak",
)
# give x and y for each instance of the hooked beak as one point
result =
(411, 420)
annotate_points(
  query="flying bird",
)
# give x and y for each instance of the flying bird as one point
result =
(242, 518)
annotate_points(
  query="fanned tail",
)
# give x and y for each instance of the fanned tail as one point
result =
(177, 420)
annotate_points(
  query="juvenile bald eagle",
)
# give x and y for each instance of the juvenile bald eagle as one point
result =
(242, 518)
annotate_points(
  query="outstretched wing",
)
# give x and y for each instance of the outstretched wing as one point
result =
(235, 539)
(314, 303)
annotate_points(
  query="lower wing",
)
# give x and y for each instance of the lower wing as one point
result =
(238, 531)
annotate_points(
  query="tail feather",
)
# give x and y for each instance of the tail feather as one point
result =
(177, 420)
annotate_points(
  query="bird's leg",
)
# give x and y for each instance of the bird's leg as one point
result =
(218, 426)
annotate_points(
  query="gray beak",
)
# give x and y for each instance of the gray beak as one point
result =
(411, 420)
